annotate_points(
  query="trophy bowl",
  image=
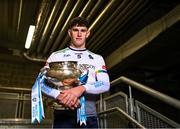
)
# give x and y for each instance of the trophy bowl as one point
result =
(65, 71)
(62, 75)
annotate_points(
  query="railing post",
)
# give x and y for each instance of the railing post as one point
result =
(131, 102)
(101, 107)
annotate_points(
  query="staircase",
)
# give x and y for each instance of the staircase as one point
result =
(118, 109)
(123, 110)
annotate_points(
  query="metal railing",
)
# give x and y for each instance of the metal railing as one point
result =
(130, 83)
(124, 113)
(165, 98)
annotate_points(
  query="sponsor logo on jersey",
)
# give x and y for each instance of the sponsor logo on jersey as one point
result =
(104, 67)
(98, 84)
(90, 57)
(85, 67)
(78, 56)
(66, 55)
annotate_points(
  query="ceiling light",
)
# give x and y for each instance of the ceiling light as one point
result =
(29, 36)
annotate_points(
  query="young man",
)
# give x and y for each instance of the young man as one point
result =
(97, 80)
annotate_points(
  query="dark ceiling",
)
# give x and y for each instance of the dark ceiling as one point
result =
(116, 27)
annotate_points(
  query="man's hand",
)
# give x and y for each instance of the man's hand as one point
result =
(70, 97)
(69, 100)
(77, 91)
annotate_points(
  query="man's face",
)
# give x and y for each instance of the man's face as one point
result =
(78, 36)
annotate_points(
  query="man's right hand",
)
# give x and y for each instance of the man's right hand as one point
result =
(68, 100)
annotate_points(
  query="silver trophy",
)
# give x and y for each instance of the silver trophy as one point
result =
(62, 75)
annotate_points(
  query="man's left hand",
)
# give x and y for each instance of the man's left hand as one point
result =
(68, 96)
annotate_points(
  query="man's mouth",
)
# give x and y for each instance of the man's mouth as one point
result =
(78, 38)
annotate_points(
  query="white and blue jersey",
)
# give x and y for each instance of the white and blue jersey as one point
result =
(90, 64)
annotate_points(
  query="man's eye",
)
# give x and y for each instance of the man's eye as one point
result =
(75, 30)
(83, 30)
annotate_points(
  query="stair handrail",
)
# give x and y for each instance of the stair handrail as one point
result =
(161, 96)
(124, 113)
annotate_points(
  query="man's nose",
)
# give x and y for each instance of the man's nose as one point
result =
(79, 33)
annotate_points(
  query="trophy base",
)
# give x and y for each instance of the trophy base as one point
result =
(57, 106)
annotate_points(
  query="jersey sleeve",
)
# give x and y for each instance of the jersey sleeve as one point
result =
(49, 91)
(102, 83)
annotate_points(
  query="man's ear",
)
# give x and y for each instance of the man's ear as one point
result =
(88, 33)
(69, 32)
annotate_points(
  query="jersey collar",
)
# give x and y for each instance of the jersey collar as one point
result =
(77, 49)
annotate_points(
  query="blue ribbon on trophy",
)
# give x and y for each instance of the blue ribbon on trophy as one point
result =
(81, 112)
(37, 110)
